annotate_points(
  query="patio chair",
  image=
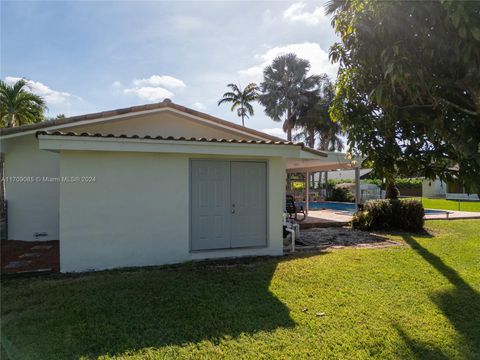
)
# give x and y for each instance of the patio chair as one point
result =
(293, 210)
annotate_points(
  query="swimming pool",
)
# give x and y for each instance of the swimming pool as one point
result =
(350, 207)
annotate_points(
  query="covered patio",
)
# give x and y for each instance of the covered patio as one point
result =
(331, 161)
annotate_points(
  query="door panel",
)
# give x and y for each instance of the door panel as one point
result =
(210, 204)
(249, 204)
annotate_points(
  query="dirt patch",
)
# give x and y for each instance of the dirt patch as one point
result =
(339, 237)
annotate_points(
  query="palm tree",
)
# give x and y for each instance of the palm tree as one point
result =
(240, 99)
(330, 131)
(315, 119)
(18, 106)
(286, 89)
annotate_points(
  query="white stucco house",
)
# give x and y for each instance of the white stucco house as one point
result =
(450, 191)
(149, 185)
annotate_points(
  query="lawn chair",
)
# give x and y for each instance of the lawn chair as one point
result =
(293, 210)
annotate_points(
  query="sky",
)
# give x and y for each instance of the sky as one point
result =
(88, 56)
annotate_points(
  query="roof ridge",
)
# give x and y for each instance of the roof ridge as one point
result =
(167, 103)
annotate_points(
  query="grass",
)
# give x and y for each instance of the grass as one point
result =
(417, 301)
(443, 204)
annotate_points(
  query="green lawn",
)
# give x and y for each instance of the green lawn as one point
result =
(417, 301)
(443, 204)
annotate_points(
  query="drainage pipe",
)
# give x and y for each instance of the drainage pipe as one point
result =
(292, 232)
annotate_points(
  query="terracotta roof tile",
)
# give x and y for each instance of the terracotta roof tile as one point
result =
(172, 138)
(167, 138)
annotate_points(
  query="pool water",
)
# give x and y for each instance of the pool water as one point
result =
(350, 207)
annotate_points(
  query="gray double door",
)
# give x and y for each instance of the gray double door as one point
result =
(228, 204)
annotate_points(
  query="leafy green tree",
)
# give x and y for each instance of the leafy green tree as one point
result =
(408, 90)
(241, 99)
(58, 117)
(286, 89)
(18, 106)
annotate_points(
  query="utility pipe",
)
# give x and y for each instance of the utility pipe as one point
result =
(292, 232)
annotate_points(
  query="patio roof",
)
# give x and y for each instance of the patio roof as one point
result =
(333, 161)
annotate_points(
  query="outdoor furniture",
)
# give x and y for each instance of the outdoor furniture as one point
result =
(293, 210)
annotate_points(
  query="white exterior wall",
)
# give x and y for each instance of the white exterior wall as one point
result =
(433, 188)
(32, 205)
(137, 211)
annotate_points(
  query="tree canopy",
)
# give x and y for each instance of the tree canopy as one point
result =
(316, 120)
(18, 106)
(408, 90)
(286, 89)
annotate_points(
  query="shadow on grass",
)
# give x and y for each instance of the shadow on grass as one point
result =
(461, 306)
(124, 311)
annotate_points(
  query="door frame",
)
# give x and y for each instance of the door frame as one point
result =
(267, 199)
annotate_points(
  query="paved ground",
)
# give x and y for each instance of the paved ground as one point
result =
(325, 218)
(454, 215)
(328, 218)
(29, 256)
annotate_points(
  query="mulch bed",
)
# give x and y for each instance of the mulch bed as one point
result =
(339, 237)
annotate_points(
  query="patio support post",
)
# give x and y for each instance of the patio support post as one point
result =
(307, 189)
(357, 187)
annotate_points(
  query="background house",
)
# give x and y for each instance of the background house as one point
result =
(451, 190)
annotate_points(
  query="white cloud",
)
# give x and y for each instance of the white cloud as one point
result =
(187, 23)
(278, 132)
(166, 81)
(38, 88)
(311, 51)
(150, 93)
(199, 106)
(296, 13)
(154, 88)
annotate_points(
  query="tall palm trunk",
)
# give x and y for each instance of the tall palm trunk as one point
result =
(243, 115)
(288, 124)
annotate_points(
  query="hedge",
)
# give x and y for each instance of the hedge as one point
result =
(405, 215)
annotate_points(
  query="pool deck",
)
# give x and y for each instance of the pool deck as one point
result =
(331, 218)
(453, 215)
(325, 218)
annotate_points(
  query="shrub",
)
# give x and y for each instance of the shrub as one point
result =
(342, 195)
(410, 215)
(362, 221)
(380, 212)
(409, 183)
(405, 215)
